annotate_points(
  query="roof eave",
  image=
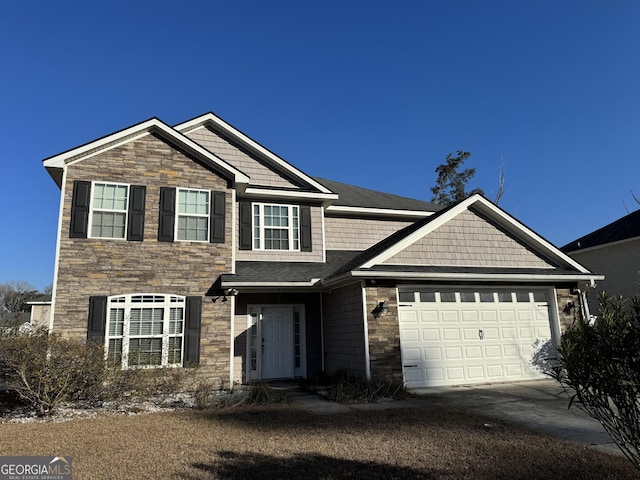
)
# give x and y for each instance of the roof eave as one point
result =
(56, 164)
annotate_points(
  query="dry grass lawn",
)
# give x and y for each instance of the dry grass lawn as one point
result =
(285, 442)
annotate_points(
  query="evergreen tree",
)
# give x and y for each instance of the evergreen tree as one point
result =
(451, 183)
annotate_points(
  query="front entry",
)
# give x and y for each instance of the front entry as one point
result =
(277, 344)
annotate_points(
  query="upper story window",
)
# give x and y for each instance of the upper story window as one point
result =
(109, 205)
(145, 330)
(193, 215)
(107, 210)
(276, 227)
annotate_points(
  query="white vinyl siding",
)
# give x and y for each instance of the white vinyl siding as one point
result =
(109, 203)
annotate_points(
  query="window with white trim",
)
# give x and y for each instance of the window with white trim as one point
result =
(193, 215)
(109, 205)
(276, 227)
(145, 330)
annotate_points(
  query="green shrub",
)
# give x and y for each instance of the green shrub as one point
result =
(599, 366)
(44, 369)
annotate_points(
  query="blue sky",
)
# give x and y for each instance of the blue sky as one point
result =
(364, 92)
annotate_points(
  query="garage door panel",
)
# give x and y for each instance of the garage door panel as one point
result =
(492, 351)
(455, 374)
(450, 316)
(430, 334)
(412, 354)
(471, 334)
(451, 334)
(507, 316)
(413, 377)
(490, 334)
(513, 370)
(509, 333)
(410, 335)
(432, 353)
(475, 372)
(473, 352)
(511, 350)
(489, 316)
(495, 371)
(526, 333)
(458, 342)
(470, 316)
(453, 353)
(429, 316)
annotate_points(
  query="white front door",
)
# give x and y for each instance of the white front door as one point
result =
(277, 342)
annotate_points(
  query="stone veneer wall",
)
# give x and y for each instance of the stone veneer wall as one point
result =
(563, 296)
(384, 333)
(343, 329)
(110, 267)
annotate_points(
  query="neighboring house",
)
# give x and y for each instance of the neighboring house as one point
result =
(194, 244)
(614, 251)
(40, 311)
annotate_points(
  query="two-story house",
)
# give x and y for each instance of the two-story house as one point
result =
(194, 244)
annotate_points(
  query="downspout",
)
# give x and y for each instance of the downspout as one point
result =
(365, 322)
(321, 333)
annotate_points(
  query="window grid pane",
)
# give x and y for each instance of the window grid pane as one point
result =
(193, 215)
(174, 356)
(109, 210)
(114, 351)
(275, 239)
(108, 224)
(146, 321)
(193, 228)
(116, 322)
(145, 351)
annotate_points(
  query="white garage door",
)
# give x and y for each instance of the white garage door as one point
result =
(456, 337)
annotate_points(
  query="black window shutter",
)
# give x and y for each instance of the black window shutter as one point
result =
(167, 218)
(305, 228)
(135, 227)
(216, 235)
(245, 226)
(97, 319)
(193, 315)
(80, 209)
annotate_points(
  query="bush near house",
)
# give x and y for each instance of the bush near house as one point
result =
(44, 369)
(599, 366)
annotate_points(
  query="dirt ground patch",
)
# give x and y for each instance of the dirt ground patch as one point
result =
(285, 442)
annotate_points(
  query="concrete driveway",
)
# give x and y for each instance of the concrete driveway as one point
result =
(540, 405)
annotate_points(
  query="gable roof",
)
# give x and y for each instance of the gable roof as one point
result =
(358, 200)
(370, 263)
(56, 164)
(624, 228)
(217, 124)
